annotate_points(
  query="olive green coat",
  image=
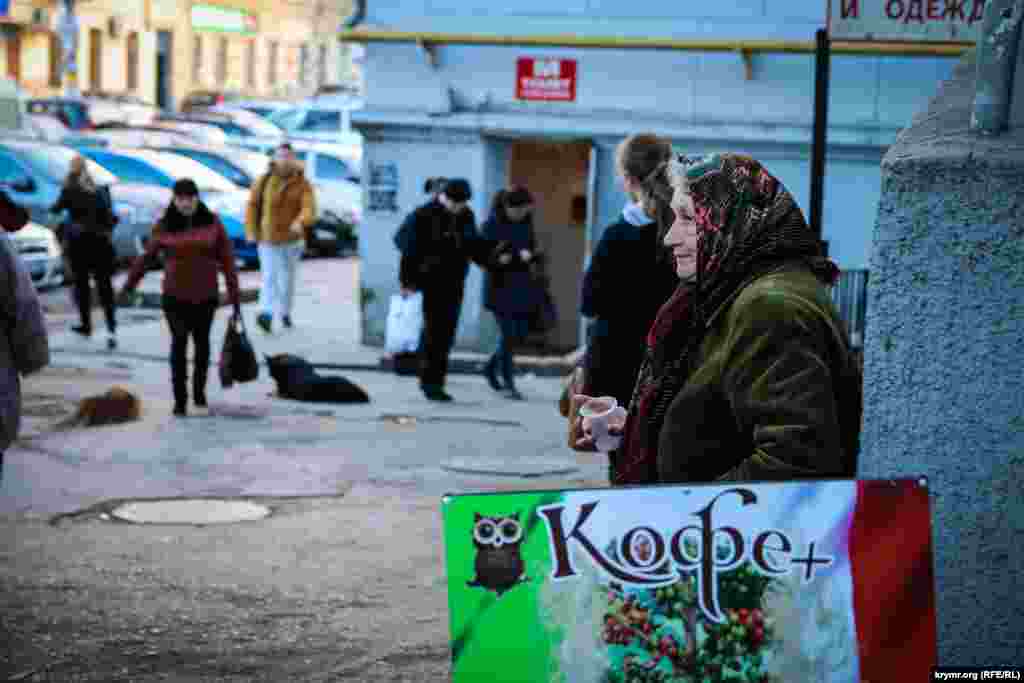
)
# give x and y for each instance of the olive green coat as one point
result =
(775, 392)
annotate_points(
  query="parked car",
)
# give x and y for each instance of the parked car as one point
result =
(46, 128)
(201, 133)
(318, 122)
(241, 166)
(73, 112)
(330, 163)
(125, 136)
(201, 99)
(119, 107)
(41, 253)
(33, 173)
(260, 107)
(149, 167)
(236, 123)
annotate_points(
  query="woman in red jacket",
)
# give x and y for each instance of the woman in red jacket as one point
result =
(195, 247)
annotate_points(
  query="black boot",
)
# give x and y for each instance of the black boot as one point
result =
(490, 372)
(436, 393)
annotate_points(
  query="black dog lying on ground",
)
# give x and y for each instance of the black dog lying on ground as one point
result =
(297, 379)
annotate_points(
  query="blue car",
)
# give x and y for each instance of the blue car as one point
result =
(163, 169)
(245, 251)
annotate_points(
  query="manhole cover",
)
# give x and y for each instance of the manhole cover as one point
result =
(195, 511)
(518, 467)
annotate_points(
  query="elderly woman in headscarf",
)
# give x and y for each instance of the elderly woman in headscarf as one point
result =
(748, 374)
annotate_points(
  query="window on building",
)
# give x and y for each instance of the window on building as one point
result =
(304, 64)
(55, 61)
(197, 59)
(250, 64)
(321, 65)
(222, 62)
(131, 57)
(272, 63)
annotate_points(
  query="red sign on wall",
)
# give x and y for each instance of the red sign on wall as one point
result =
(546, 79)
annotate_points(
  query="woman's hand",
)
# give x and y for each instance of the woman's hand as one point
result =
(525, 255)
(583, 439)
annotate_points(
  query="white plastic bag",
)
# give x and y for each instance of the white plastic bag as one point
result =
(405, 323)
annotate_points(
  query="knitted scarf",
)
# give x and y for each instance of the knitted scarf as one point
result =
(748, 225)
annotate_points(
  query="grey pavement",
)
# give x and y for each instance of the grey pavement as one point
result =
(343, 581)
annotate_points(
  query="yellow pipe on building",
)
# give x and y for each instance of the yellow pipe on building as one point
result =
(955, 49)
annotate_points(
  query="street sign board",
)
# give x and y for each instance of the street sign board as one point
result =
(776, 582)
(546, 79)
(918, 21)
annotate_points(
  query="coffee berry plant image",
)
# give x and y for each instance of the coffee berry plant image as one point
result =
(660, 635)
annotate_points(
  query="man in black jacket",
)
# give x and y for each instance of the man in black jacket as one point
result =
(441, 241)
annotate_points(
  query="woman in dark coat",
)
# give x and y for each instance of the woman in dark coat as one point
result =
(509, 291)
(749, 374)
(630, 276)
(196, 247)
(86, 237)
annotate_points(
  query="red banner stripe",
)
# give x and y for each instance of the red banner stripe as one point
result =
(893, 581)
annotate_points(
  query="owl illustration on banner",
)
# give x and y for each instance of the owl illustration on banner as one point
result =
(499, 564)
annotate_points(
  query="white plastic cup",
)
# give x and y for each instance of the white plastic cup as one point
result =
(598, 415)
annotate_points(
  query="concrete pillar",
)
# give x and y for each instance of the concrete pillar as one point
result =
(943, 372)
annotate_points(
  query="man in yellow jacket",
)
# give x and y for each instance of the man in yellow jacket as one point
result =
(281, 209)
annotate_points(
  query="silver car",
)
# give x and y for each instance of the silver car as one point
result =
(41, 253)
(33, 172)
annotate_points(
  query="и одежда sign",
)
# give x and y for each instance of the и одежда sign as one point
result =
(827, 581)
(550, 80)
(916, 21)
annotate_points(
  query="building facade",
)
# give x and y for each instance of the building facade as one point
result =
(160, 50)
(550, 118)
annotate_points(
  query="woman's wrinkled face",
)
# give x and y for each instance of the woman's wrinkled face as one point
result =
(681, 238)
(186, 203)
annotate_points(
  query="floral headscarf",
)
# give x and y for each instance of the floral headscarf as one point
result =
(749, 225)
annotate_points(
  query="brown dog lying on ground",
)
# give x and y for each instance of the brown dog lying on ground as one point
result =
(113, 407)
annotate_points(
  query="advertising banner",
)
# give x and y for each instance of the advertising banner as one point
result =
(217, 19)
(546, 79)
(916, 21)
(827, 581)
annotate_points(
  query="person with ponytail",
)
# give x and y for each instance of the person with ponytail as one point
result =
(628, 257)
(748, 373)
(86, 239)
(195, 246)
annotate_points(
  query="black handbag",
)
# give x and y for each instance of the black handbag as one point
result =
(238, 362)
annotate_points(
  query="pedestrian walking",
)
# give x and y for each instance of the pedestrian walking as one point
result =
(280, 212)
(24, 347)
(509, 289)
(432, 188)
(749, 374)
(195, 247)
(443, 239)
(630, 276)
(86, 237)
